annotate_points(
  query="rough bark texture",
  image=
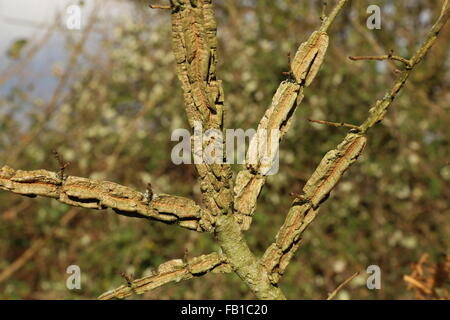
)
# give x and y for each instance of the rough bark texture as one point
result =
(223, 212)
(93, 194)
(171, 271)
(195, 48)
(287, 98)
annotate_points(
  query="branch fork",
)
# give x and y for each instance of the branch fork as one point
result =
(227, 206)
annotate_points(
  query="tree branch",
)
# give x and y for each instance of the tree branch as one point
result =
(317, 189)
(330, 18)
(171, 271)
(195, 48)
(94, 194)
(378, 110)
(380, 58)
(306, 64)
(243, 261)
(335, 124)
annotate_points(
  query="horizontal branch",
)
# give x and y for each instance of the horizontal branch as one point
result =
(381, 58)
(94, 194)
(171, 271)
(328, 20)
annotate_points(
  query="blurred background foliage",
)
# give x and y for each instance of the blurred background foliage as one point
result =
(116, 100)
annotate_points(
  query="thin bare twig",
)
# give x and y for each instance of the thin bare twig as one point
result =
(342, 285)
(323, 14)
(194, 38)
(62, 164)
(157, 6)
(335, 124)
(330, 18)
(383, 57)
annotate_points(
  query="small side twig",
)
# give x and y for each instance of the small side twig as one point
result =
(157, 6)
(62, 164)
(295, 194)
(128, 278)
(186, 255)
(335, 124)
(389, 56)
(299, 198)
(323, 14)
(289, 73)
(148, 193)
(342, 285)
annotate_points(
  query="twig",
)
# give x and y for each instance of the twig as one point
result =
(128, 278)
(170, 271)
(330, 18)
(335, 124)
(157, 6)
(378, 110)
(289, 73)
(323, 14)
(333, 165)
(342, 285)
(389, 56)
(62, 164)
(413, 89)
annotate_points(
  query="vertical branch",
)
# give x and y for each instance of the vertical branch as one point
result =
(195, 47)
